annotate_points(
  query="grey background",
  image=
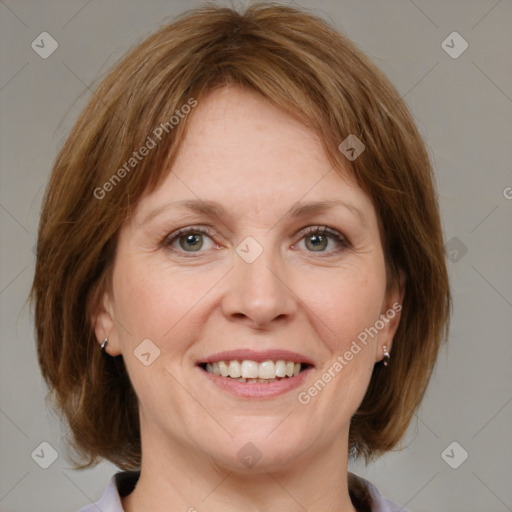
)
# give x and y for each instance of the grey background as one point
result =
(463, 107)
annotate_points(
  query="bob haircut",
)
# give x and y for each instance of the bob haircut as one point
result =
(295, 61)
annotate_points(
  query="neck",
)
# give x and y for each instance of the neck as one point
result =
(188, 480)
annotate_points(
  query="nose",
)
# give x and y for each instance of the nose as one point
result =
(258, 293)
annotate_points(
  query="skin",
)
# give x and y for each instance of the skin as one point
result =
(257, 162)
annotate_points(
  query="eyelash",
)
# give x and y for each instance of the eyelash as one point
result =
(206, 230)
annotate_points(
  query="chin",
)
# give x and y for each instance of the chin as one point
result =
(259, 449)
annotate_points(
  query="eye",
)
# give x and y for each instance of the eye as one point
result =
(191, 239)
(317, 238)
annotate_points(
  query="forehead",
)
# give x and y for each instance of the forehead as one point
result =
(241, 150)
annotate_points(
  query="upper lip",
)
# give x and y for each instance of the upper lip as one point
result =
(257, 355)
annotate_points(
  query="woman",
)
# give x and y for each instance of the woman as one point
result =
(240, 277)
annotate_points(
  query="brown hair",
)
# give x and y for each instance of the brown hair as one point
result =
(295, 61)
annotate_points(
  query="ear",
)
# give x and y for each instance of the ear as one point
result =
(103, 322)
(390, 316)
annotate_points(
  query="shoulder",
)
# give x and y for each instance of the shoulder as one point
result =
(119, 485)
(367, 498)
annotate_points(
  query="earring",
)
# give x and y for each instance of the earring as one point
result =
(104, 344)
(387, 357)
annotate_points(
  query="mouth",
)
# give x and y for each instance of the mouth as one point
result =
(251, 374)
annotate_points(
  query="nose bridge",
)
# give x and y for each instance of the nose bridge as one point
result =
(257, 289)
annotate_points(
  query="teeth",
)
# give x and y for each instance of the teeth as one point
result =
(251, 371)
(235, 371)
(223, 367)
(267, 370)
(280, 368)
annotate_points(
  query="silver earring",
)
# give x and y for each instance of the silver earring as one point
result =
(104, 344)
(387, 357)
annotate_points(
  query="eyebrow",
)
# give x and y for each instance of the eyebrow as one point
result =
(215, 209)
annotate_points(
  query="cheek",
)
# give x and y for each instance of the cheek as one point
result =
(344, 307)
(345, 303)
(158, 302)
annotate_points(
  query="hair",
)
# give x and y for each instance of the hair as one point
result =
(299, 63)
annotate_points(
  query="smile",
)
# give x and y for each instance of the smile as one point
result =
(253, 372)
(256, 374)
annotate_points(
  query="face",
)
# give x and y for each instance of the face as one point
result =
(264, 278)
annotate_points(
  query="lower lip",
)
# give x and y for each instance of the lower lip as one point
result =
(256, 389)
